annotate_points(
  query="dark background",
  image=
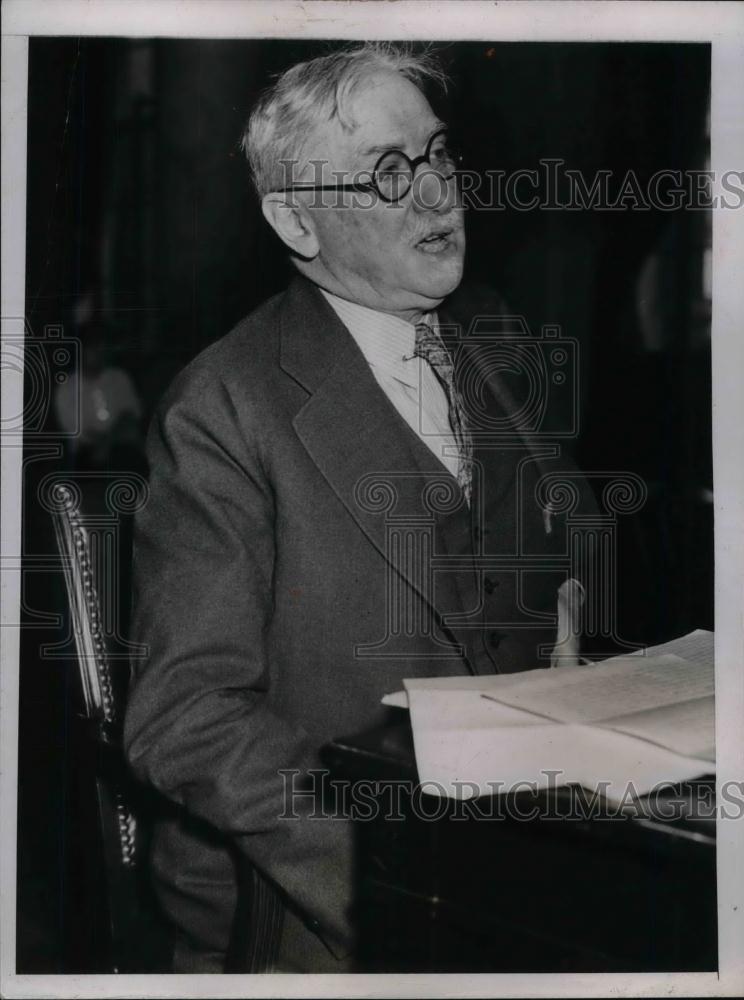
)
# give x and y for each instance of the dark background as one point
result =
(139, 204)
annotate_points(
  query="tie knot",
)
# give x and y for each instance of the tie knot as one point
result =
(430, 347)
(425, 334)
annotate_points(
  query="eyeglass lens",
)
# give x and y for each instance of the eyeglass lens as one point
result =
(394, 172)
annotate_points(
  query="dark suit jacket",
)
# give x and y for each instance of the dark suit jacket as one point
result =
(263, 562)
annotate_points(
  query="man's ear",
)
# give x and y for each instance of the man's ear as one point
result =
(291, 224)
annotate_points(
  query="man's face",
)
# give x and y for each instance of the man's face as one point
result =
(375, 255)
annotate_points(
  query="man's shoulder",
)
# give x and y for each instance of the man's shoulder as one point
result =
(246, 356)
(253, 343)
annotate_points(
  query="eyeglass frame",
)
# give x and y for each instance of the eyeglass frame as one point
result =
(372, 184)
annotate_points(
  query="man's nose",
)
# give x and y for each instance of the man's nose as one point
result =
(432, 192)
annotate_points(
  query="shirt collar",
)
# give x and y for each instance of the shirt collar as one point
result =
(387, 342)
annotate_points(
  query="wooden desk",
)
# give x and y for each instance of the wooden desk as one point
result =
(539, 894)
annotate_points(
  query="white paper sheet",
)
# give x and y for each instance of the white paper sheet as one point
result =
(687, 728)
(605, 691)
(629, 722)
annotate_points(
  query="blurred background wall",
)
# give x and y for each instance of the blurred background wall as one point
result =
(144, 240)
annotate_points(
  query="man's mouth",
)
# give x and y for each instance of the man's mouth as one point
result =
(436, 241)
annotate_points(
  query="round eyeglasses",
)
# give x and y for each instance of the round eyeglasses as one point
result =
(393, 174)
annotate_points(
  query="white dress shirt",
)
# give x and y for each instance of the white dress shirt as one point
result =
(410, 384)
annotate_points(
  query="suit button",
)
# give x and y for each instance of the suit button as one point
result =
(489, 585)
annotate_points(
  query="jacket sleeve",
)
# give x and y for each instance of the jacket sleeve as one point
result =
(198, 725)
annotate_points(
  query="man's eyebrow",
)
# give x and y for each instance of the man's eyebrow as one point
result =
(384, 147)
(398, 143)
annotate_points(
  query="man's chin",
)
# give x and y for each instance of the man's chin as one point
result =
(439, 287)
(439, 280)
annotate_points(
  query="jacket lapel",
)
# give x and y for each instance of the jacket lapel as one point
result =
(376, 465)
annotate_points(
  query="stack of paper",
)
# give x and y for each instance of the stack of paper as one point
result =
(625, 725)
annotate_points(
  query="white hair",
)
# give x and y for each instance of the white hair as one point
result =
(314, 92)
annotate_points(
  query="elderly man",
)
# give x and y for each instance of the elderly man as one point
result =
(263, 565)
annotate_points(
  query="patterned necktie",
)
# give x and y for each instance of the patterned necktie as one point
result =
(430, 347)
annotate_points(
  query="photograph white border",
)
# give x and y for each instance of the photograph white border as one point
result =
(722, 24)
